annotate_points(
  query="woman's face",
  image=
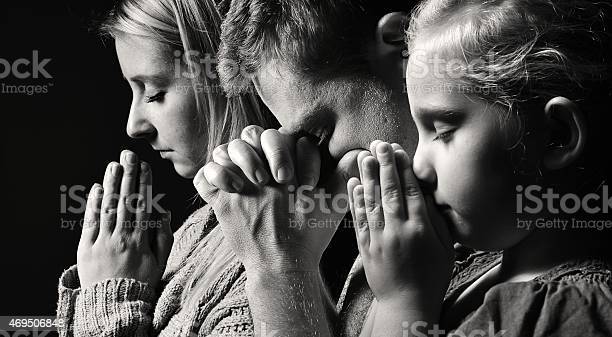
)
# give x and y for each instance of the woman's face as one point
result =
(462, 155)
(163, 110)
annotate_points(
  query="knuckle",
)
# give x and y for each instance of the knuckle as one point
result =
(220, 150)
(373, 207)
(392, 206)
(109, 210)
(123, 200)
(392, 194)
(212, 172)
(278, 156)
(376, 225)
(120, 244)
(235, 144)
(141, 204)
(130, 170)
(375, 250)
(109, 199)
(269, 133)
(393, 244)
(89, 223)
(251, 132)
(412, 190)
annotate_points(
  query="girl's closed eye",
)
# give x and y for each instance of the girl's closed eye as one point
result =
(158, 97)
(444, 135)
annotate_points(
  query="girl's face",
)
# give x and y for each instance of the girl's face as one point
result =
(462, 156)
(163, 109)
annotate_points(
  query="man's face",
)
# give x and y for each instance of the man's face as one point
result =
(346, 115)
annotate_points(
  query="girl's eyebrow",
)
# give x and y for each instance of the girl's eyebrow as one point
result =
(439, 113)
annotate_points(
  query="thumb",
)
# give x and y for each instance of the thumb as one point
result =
(345, 169)
(206, 190)
(335, 185)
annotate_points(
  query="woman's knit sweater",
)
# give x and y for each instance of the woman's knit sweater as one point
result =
(126, 307)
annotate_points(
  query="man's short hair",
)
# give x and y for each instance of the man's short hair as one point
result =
(317, 39)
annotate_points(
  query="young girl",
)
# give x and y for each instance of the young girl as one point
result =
(509, 97)
(130, 279)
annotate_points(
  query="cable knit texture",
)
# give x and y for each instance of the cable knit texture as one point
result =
(126, 307)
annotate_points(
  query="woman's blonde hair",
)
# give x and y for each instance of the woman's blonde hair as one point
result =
(194, 26)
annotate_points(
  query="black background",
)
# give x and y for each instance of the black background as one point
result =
(63, 137)
(66, 137)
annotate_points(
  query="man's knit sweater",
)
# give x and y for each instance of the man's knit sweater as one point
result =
(126, 307)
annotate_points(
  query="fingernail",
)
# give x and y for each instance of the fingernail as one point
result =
(283, 173)
(261, 176)
(383, 148)
(309, 183)
(115, 169)
(130, 157)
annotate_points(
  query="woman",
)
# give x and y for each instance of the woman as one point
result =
(130, 279)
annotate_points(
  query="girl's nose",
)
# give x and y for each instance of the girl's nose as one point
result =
(138, 125)
(423, 167)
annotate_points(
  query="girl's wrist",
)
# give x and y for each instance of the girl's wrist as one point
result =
(416, 303)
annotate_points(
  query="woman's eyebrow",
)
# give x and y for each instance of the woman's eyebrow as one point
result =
(151, 78)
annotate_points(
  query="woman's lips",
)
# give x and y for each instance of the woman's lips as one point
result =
(163, 153)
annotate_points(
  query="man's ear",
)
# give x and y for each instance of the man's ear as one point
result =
(390, 29)
(386, 53)
(568, 133)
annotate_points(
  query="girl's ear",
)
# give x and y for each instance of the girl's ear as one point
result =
(568, 133)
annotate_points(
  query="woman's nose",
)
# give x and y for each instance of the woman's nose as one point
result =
(423, 167)
(138, 125)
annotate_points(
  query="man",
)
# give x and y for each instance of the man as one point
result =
(332, 70)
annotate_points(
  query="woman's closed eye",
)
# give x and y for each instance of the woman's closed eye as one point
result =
(158, 97)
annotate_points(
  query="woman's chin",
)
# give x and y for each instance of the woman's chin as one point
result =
(185, 171)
